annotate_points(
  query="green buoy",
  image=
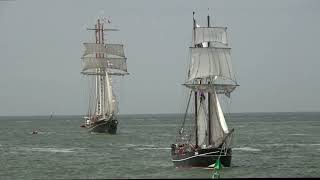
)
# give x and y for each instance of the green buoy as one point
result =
(217, 166)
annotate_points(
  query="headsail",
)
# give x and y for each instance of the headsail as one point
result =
(219, 128)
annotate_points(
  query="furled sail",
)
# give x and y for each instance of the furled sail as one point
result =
(109, 63)
(210, 62)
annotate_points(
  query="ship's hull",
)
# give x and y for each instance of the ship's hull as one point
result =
(201, 157)
(104, 126)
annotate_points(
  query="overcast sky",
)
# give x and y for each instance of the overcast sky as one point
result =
(275, 53)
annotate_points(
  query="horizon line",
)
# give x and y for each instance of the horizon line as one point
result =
(258, 112)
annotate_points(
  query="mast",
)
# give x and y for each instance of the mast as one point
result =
(97, 71)
(100, 89)
(102, 78)
(209, 97)
(195, 92)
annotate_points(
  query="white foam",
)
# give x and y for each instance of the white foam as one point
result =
(139, 145)
(246, 149)
(297, 134)
(153, 148)
(23, 121)
(63, 150)
(130, 145)
(297, 144)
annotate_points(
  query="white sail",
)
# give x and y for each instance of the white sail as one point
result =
(210, 34)
(108, 49)
(109, 96)
(202, 122)
(210, 62)
(218, 124)
(222, 120)
(115, 49)
(93, 48)
(118, 64)
(110, 63)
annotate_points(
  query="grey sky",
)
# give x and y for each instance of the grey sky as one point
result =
(275, 53)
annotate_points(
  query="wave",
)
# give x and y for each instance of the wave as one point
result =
(297, 144)
(138, 145)
(130, 145)
(154, 125)
(62, 150)
(154, 148)
(143, 147)
(246, 149)
(43, 132)
(298, 134)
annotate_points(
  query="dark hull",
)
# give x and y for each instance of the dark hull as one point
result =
(201, 158)
(104, 126)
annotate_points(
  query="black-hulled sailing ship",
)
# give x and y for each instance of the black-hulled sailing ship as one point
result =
(100, 62)
(210, 77)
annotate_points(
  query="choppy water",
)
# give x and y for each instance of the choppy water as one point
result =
(265, 145)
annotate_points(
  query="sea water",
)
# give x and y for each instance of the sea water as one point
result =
(264, 145)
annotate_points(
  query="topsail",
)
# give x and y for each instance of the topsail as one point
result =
(211, 34)
(108, 49)
(110, 57)
(210, 62)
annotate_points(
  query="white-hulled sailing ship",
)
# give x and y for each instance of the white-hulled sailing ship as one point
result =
(210, 77)
(100, 62)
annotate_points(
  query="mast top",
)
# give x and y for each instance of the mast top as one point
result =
(99, 28)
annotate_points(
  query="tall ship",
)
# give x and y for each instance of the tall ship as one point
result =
(101, 62)
(206, 138)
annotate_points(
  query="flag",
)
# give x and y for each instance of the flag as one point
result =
(106, 20)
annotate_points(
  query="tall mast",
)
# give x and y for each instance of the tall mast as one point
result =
(97, 71)
(195, 92)
(209, 98)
